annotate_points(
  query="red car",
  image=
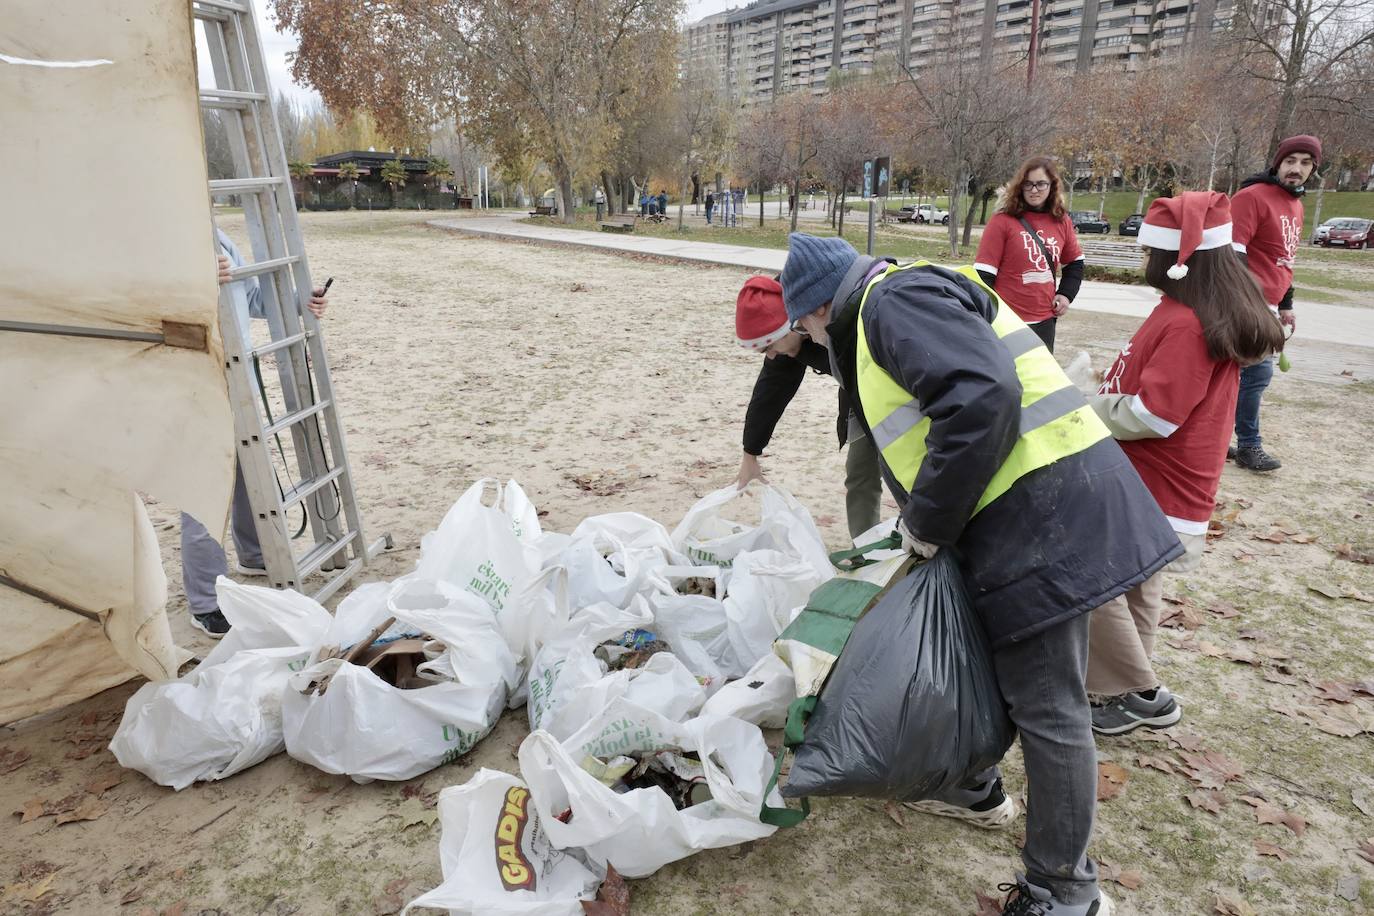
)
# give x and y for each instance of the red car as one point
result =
(1347, 233)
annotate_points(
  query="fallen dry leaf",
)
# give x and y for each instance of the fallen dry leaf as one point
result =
(1265, 848)
(1335, 692)
(1127, 878)
(30, 892)
(1184, 741)
(1111, 779)
(1273, 536)
(89, 809)
(1207, 801)
(612, 899)
(1362, 800)
(1278, 677)
(1223, 609)
(987, 906)
(892, 811)
(12, 759)
(1366, 850)
(1163, 764)
(130, 896)
(1250, 633)
(1266, 813)
(33, 809)
(103, 782)
(1233, 906)
(1348, 552)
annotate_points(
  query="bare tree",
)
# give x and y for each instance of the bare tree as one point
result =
(761, 150)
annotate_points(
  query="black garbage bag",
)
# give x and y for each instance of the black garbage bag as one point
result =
(912, 707)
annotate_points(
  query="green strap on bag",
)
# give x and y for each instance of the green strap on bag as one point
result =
(797, 714)
(850, 560)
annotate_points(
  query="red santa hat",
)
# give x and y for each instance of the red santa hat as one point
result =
(1192, 221)
(760, 319)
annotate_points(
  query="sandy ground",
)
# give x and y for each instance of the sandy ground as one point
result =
(604, 383)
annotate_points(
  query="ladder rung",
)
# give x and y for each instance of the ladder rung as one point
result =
(262, 267)
(244, 185)
(333, 585)
(294, 418)
(323, 551)
(281, 344)
(301, 490)
(216, 9)
(232, 95)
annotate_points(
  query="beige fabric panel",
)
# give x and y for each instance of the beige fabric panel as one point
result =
(107, 225)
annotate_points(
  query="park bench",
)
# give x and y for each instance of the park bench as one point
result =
(544, 211)
(623, 225)
(1111, 254)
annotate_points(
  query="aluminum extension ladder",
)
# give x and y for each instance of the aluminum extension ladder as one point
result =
(302, 404)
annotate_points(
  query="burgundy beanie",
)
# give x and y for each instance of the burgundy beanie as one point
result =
(1303, 143)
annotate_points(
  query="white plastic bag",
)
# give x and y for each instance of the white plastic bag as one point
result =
(566, 664)
(761, 696)
(707, 537)
(640, 831)
(663, 685)
(767, 588)
(210, 724)
(485, 550)
(363, 727)
(224, 716)
(696, 629)
(497, 860)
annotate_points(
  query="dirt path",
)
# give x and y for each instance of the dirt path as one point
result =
(604, 383)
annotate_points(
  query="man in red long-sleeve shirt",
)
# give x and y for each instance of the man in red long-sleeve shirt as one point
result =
(1268, 216)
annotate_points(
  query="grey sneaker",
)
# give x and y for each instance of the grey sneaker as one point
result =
(1256, 458)
(246, 569)
(994, 810)
(1155, 708)
(1026, 899)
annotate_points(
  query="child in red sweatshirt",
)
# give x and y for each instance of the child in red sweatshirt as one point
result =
(1170, 399)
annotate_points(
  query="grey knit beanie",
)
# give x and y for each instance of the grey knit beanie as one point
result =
(815, 266)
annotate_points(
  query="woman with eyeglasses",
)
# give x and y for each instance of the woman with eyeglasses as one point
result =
(1029, 245)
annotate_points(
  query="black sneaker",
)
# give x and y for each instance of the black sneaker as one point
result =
(212, 624)
(992, 811)
(1026, 899)
(1151, 708)
(1257, 459)
(1230, 453)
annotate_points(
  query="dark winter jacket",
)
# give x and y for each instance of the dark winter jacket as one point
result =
(1065, 538)
(777, 384)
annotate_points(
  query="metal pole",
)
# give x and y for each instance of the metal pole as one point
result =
(871, 202)
(1034, 43)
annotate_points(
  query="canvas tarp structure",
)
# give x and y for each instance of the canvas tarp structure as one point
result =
(107, 225)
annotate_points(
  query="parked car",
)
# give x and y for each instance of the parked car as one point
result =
(1346, 233)
(1131, 224)
(907, 215)
(932, 214)
(1084, 221)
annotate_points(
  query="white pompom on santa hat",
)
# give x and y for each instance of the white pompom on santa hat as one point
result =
(1192, 221)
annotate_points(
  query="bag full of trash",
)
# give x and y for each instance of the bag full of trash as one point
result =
(638, 791)
(497, 859)
(912, 707)
(225, 715)
(396, 708)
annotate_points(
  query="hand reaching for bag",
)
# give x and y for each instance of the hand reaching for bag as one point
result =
(750, 470)
(914, 545)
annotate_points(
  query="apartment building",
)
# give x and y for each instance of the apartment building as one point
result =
(772, 47)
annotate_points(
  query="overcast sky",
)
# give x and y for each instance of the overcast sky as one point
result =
(276, 45)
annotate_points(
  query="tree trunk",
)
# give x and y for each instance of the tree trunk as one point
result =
(955, 187)
(564, 186)
(1144, 187)
(1071, 183)
(681, 202)
(796, 192)
(760, 203)
(610, 188)
(968, 218)
(1102, 194)
(696, 189)
(1317, 208)
(987, 199)
(840, 206)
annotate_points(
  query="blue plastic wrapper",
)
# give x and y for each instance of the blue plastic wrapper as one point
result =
(912, 707)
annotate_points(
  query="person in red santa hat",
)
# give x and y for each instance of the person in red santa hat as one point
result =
(1170, 399)
(1268, 216)
(761, 325)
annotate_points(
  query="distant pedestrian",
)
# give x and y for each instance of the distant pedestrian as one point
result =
(791, 203)
(710, 205)
(1028, 242)
(662, 201)
(643, 203)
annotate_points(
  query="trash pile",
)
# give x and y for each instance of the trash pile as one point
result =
(645, 660)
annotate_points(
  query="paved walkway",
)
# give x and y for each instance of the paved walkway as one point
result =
(1336, 324)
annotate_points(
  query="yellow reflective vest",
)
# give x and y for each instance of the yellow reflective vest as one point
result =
(1056, 420)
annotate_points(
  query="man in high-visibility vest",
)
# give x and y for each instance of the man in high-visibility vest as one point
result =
(989, 449)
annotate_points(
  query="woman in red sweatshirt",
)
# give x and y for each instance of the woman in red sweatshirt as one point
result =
(1170, 399)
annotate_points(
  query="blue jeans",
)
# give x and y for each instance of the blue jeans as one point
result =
(1253, 380)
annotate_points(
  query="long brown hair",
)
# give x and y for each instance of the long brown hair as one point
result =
(1236, 322)
(1014, 205)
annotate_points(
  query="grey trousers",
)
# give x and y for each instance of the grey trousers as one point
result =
(863, 482)
(1042, 683)
(202, 559)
